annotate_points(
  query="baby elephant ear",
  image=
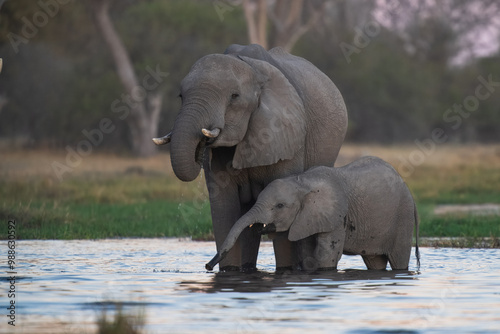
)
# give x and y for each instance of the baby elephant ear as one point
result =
(277, 128)
(321, 211)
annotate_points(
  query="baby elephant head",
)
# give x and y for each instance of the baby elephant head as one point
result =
(296, 204)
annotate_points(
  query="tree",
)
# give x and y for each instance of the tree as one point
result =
(145, 108)
(423, 24)
(290, 20)
(3, 99)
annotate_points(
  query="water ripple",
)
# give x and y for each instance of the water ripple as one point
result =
(63, 285)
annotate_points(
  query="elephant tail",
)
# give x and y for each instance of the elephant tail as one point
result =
(417, 252)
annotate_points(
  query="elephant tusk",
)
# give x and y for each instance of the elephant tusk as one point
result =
(163, 140)
(1, 64)
(211, 133)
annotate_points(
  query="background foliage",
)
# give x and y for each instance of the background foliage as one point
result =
(397, 88)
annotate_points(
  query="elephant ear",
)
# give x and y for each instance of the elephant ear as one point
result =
(321, 211)
(277, 128)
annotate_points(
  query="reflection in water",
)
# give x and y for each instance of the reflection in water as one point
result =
(267, 282)
(62, 285)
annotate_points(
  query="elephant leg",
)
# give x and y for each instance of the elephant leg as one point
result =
(225, 209)
(223, 218)
(284, 252)
(398, 263)
(375, 262)
(250, 242)
(399, 255)
(400, 259)
(305, 254)
(250, 237)
(329, 249)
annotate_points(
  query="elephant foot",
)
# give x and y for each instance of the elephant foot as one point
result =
(281, 270)
(327, 269)
(229, 268)
(375, 262)
(309, 264)
(249, 268)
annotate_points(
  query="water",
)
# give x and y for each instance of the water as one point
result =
(63, 287)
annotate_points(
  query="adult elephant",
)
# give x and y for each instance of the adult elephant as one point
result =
(250, 116)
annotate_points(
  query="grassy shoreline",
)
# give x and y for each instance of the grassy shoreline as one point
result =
(108, 196)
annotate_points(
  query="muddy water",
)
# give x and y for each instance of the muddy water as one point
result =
(64, 286)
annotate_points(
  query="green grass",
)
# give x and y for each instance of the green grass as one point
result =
(105, 207)
(153, 203)
(105, 220)
(457, 225)
(122, 322)
(456, 185)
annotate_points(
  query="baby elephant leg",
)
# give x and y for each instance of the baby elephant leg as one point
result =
(329, 249)
(399, 260)
(305, 250)
(375, 262)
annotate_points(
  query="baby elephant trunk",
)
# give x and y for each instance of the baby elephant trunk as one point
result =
(216, 259)
(247, 220)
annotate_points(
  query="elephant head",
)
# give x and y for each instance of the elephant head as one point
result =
(235, 101)
(296, 204)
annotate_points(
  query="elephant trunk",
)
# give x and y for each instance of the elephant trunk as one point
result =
(216, 259)
(250, 218)
(186, 146)
(198, 123)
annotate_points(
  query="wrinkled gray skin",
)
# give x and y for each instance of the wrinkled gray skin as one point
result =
(363, 208)
(266, 115)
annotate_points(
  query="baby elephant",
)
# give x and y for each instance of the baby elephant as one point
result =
(363, 208)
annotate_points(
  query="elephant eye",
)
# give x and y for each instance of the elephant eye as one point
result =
(280, 205)
(234, 96)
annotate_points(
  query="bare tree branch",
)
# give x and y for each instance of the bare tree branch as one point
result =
(123, 63)
(144, 115)
(290, 19)
(256, 17)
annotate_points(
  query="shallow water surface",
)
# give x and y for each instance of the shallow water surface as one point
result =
(64, 286)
